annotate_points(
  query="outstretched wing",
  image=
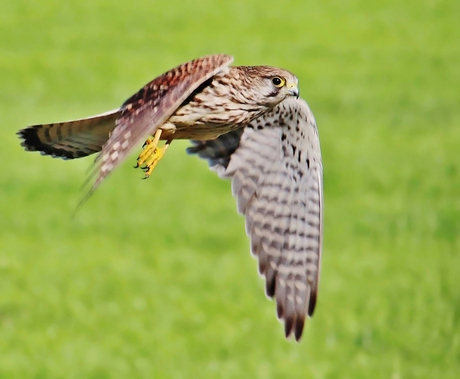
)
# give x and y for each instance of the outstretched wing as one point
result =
(276, 172)
(148, 109)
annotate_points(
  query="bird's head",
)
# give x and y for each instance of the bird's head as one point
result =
(271, 84)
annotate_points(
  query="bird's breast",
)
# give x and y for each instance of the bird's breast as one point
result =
(197, 131)
(207, 120)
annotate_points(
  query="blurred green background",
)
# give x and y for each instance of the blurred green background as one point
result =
(153, 279)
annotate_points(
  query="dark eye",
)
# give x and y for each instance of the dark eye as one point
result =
(277, 81)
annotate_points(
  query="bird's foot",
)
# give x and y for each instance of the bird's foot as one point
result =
(151, 154)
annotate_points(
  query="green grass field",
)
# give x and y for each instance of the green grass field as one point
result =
(153, 279)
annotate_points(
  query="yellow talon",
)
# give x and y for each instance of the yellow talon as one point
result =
(149, 149)
(151, 154)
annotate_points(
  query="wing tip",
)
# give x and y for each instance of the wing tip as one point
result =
(312, 302)
(294, 326)
(226, 59)
(293, 317)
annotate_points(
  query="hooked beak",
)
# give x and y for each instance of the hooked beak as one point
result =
(293, 89)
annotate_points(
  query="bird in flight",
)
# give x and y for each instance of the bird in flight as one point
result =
(252, 127)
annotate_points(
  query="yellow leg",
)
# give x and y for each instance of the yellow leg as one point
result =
(151, 154)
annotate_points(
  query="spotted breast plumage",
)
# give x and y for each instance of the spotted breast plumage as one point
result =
(250, 125)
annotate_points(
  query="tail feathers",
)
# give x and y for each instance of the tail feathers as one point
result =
(70, 139)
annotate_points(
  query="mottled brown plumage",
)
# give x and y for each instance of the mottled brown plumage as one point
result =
(250, 125)
(200, 99)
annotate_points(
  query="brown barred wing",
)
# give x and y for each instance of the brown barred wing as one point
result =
(276, 173)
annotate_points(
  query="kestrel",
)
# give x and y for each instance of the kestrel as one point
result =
(250, 124)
